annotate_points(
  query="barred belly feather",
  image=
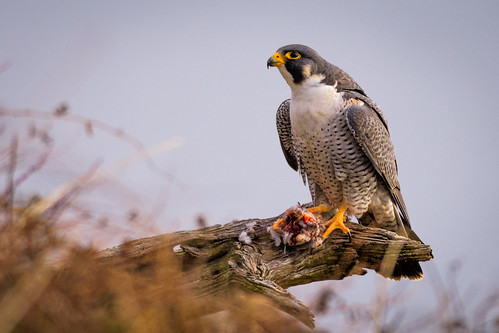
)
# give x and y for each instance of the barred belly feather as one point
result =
(328, 153)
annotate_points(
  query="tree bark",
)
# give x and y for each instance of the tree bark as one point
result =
(242, 254)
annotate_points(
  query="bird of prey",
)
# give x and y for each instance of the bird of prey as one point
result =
(338, 139)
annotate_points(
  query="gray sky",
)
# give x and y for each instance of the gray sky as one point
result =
(196, 70)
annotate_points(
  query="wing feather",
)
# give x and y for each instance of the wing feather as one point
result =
(283, 123)
(371, 132)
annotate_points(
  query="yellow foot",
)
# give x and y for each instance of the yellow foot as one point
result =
(278, 223)
(337, 223)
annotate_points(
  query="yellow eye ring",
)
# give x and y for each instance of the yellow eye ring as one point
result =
(293, 55)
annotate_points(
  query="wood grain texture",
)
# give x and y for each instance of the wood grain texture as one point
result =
(215, 260)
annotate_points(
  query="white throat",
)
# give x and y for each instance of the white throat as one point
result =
(312, 103)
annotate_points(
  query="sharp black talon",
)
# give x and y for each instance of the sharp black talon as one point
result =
(349, 237)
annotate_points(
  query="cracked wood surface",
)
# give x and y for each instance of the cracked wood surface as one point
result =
(218, 258)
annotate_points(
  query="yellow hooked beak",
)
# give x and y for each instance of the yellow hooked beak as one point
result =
(276, 60)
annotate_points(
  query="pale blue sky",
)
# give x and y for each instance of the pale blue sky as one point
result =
(196, 70)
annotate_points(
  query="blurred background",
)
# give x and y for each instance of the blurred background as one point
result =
(192, 75)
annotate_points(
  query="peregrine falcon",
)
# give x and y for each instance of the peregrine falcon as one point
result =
(338, 140)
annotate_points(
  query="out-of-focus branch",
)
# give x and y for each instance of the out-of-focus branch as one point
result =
(61, 113)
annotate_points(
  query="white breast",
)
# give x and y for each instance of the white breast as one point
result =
(313, 104)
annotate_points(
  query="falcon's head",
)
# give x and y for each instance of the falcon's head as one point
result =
(297, 63)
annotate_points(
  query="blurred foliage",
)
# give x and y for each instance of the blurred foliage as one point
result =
(48, 284)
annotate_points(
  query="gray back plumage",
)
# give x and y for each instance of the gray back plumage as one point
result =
(370, 130)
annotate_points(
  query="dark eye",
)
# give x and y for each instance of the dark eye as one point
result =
(293, 55)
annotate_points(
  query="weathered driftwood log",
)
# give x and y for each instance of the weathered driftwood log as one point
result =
(242, 254)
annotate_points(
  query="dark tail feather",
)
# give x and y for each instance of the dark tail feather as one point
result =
(410, 269)
(407, 269)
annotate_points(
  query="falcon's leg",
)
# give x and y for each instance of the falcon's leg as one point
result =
(320, 209)
(337, 223)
